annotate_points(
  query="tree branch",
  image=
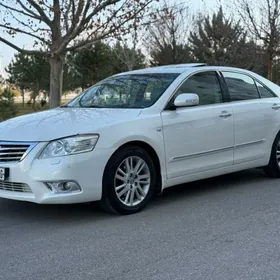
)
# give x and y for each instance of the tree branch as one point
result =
(25, 24)
(20, 49)
(66, 14)
(74, 29)
(56, 28)
(98, 9)
(75, 18)
(251, 19)
(28, 10)
(20, 11)
(86, 18)
(87, 42)
(40, 11)
(24, 32)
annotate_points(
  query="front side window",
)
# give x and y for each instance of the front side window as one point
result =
(264, 92)
(240, 86)
(206, 85)
(125, 91)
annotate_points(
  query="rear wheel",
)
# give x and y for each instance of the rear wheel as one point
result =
(129, 181)
(273, 168)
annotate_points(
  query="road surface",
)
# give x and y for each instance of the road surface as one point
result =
(223, 228)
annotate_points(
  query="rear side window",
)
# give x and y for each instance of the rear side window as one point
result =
(264, 92)
(206, 85)
(240, 86)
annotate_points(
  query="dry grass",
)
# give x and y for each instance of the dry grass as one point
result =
(26, 109)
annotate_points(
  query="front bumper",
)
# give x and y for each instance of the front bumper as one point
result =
(86, 169)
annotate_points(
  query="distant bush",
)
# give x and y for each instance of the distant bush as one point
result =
(7, 105)
(15, 92)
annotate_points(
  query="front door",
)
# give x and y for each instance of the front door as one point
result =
(199, 138)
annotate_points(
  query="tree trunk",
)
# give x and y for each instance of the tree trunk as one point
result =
(269, 66)
(129, 65)
(34, 103)
(56, 80)
(22, 95)
(174, 43)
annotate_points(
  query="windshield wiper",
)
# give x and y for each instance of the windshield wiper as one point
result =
(92, 106)
(124, 106)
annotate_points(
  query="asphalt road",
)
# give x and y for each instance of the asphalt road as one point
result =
(223, 228)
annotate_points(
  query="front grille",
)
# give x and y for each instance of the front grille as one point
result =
(15, 187)
(14, 151)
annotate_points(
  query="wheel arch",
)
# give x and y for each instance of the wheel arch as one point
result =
(151, 151)
(274, 137)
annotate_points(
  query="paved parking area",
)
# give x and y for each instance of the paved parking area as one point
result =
(223, 228)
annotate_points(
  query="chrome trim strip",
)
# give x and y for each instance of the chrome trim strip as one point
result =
(14, 187)
(30, 144)
(250, 143)
(200, 154)
(218, 70)
(215, 151)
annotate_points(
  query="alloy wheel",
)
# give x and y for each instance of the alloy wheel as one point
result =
(278, 153)
(132, 181)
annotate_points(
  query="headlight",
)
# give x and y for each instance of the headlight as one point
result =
(70, 146)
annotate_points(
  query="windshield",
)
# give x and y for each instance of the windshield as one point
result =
(126, 91)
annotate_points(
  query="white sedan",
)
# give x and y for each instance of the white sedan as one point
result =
(134, 134)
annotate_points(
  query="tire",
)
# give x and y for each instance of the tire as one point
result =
(126, 191)
(273, 168)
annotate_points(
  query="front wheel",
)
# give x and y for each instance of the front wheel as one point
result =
(129, 181)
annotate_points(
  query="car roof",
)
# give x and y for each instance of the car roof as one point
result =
(181, 68)
(173, 68)
(190, 68)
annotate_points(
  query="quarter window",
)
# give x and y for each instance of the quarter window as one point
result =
(206, 85)
(240, 86)
(264, 92)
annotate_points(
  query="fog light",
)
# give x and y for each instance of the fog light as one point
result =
(63, 186)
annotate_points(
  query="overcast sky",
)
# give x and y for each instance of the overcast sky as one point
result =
(7, 53)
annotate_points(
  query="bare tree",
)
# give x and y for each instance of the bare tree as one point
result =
(167, 37)
(129, 46)
(262, 18)
(59, 26)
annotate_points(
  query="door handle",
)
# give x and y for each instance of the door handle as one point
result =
(275, 106)
(225, 114)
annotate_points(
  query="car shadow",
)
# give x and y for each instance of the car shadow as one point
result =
(214, 184)
(19, 212)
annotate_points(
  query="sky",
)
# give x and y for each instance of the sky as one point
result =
(7, 53)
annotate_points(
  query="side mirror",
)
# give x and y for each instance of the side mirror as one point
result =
(186, 100)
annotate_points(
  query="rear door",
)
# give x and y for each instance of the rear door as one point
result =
(256, 113)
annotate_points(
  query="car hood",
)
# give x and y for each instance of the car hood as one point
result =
(61, 122)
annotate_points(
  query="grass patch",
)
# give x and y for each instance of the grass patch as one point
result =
(29, 110)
